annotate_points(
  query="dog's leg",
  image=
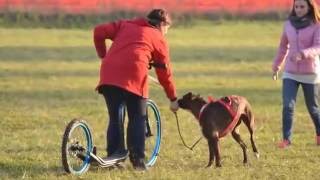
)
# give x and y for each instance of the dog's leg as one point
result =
(211, 152)
(236, 136)
(216, 149)
(248, 120)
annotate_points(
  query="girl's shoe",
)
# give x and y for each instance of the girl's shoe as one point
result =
(318, 140)
(284, 144)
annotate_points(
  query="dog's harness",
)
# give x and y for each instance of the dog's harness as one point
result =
(227, 105)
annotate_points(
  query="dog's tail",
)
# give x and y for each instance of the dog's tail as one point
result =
(249, 113)
(250, 123)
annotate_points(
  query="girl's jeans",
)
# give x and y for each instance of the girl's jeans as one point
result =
(289, 94)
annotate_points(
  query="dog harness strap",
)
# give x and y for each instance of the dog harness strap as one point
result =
(201, 111)
(229, 128)
(228, 107)
(210, 100)
(233, 114)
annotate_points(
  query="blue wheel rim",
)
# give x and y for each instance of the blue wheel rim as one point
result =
(86, 163)
(151, 161)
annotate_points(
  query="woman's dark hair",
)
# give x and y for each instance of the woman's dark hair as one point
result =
(156, 16)
(313, 10)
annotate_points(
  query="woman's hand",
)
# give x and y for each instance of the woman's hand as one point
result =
(174, 106)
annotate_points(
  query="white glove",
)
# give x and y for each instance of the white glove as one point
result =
(174, 106)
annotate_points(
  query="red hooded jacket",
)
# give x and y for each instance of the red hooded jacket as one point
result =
(125, 65)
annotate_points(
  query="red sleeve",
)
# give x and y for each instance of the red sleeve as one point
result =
(103, 32)
(165, 77)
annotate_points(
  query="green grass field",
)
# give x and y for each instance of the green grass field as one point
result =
(48, 76)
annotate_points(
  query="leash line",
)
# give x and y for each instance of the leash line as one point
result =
(153, 79)
(183, 142)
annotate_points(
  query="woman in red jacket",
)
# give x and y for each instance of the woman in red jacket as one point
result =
(124, 77)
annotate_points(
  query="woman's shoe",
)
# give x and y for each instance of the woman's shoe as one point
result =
(118, 156)
(284, 144)
(139, 165)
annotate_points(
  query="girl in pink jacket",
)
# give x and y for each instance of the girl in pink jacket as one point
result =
(299, 52)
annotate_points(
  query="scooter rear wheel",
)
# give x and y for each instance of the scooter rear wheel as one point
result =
(77, 144)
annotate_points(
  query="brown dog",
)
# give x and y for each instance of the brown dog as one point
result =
(219, 117)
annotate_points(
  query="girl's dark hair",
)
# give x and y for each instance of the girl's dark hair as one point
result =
(156, 16)
(313, 10)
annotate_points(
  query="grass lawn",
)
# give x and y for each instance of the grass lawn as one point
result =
(48, 76)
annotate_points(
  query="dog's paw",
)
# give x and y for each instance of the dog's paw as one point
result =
(257, 155)
(209, 164)
(246, 164)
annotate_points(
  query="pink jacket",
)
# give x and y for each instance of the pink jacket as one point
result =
(306, 41)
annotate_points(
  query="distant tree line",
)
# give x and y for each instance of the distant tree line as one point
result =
(65, 20)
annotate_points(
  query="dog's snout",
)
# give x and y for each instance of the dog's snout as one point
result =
(182, 103)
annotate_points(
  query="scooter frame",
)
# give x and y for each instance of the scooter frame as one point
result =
(87, 153)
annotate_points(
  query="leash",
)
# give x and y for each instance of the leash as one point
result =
(191, 148)
(153, 79)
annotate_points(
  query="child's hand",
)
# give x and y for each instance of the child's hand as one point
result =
(297, 57)
(275, 75)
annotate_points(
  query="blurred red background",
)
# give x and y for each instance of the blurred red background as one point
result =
(105, 6)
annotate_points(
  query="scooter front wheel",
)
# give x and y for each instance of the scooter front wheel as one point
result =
(153, 133)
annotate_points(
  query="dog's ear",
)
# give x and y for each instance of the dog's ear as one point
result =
(188, 95)
(197, 97)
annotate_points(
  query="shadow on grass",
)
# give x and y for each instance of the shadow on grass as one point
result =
(178, 54)
(47, 95)
(39, 73)
(211, 73)
(208, 73)
(27, 53)
(17, 170)
(77, 95)
(221, 54)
